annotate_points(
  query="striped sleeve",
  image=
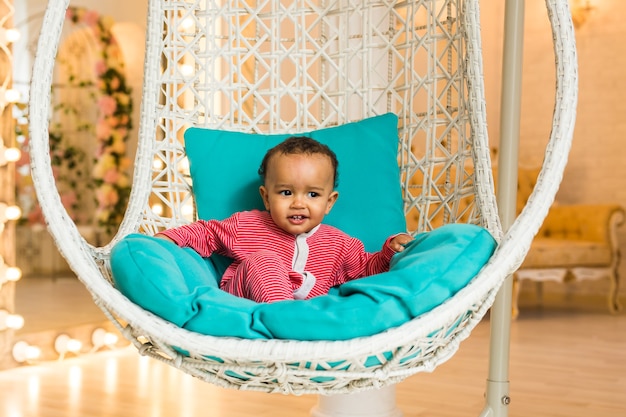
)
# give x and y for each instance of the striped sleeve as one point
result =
(359, 263)
(206, 237)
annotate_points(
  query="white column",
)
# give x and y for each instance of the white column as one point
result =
(369, 403)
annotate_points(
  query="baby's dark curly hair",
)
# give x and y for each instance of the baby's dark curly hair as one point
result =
(297, 145)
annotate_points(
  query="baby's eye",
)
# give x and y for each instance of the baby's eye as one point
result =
(285, 192)
(313, 194)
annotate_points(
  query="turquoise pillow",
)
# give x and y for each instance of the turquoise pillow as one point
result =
(180, 286)
(369, 207)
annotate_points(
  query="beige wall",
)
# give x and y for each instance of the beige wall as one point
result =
(596, 170)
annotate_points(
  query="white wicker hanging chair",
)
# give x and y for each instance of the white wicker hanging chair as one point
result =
(431, 78)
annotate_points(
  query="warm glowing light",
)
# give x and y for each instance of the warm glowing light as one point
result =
(74, 345)
(10, 321)
(187, 210)
(10, 212)
(157, 209)
(64, 344)
(157, 164)
(183, 166)
(187, 23)
(9, 35)
(101, 337)
(15, 321)
(13, 273)
(11, 95)
(23, 352)
(186, 70)
(12, 154)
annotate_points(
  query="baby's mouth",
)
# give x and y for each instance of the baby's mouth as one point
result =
(297, 218)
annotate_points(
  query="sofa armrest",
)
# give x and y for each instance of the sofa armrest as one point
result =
(588, 222)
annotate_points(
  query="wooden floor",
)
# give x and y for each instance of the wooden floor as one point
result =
(564, 362)
(52, 302)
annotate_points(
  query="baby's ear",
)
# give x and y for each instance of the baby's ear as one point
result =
(332, 199)
(263, 192)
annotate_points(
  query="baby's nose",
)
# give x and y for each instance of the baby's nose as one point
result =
(297, 201)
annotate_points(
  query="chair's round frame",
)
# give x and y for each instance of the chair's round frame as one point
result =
(302, 366)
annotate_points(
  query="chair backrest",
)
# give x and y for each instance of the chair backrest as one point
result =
(292, 67)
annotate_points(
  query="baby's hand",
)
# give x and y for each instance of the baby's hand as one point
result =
(398, 242)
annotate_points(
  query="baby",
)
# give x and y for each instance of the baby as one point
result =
(286, 253)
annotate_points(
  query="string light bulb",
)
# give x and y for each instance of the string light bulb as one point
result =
(9, 212)
(12, 95)
(101, 338)
(187, 24)
(12, 154)
(23, 352)
(9, 273)
(183, 166)
(157, 164)
(64, 344)
(12, 274)
(187, 70)
(10, 35)
(157, 208)
(10, 321)
(187, 211)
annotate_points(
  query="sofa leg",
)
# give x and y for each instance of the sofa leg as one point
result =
(614, 305)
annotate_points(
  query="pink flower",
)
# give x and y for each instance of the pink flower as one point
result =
(103, 130)
(115, 83)
(107, 105)
(100, 150)
(106, 196)
(111, 176)
(91, 17)
(100, 67)
(69, 199)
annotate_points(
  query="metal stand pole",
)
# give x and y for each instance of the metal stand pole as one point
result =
(497, 396)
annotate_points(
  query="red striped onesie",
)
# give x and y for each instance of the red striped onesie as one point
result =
(271, 264)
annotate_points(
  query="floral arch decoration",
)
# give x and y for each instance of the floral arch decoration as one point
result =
(109, 178)
(113, 97)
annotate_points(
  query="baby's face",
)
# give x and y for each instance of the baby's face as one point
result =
(298, 191)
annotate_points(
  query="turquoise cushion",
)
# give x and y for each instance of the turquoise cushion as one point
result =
(369, 177)
(180, 286)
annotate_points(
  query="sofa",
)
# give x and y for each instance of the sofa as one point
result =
(576, 242)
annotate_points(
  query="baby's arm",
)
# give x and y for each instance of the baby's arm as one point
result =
(379, 262)
(162, 236)
(205, 237)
